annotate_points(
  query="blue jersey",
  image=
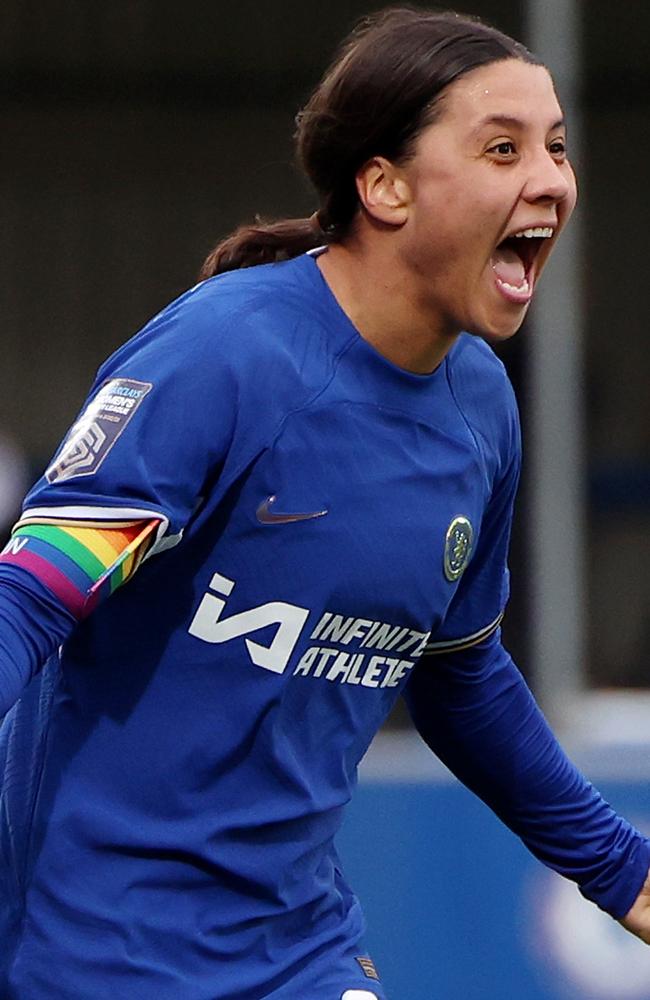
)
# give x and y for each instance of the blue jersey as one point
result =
(325, 518)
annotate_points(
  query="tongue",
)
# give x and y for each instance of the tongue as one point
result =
(508, 266)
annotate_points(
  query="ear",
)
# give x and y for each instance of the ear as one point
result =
(383, 191)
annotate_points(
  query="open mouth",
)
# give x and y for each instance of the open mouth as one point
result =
(513, 262)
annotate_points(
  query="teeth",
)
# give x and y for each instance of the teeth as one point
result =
(523, 288)
(543, 232)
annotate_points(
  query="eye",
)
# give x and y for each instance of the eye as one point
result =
(503, 149)
(557, 148)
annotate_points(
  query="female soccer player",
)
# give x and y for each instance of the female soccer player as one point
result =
(308, 470)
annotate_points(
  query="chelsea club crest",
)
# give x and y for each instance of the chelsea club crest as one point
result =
(458, 547)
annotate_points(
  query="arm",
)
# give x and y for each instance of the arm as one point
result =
(472, 706)
(33, 624)
(52, 576)
(476, 713)
(123, 484)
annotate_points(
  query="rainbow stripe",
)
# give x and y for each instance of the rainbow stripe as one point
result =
(80, 565)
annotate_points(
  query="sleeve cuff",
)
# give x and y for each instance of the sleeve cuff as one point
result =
(619, 893)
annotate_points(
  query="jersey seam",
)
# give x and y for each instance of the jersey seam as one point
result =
(260, 301)
(389, 409)
(277, 429)
(472, 430)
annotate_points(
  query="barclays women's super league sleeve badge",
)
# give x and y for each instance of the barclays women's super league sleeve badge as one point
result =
(458, 547)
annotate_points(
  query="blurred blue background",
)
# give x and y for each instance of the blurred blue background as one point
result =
(457, 908)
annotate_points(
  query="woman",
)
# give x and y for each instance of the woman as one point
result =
(319, 468)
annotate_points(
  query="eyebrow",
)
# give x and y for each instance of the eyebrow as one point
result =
(512, 122)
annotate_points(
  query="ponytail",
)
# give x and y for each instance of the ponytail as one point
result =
(263, 243)
(381, 92)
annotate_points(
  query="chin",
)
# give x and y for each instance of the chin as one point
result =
(496, 331)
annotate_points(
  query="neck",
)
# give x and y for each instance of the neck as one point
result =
(380, 299)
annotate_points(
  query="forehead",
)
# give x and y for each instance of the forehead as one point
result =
(509, 88)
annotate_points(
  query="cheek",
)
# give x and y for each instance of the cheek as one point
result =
(451, 231)
(446, 228)
(437, 252)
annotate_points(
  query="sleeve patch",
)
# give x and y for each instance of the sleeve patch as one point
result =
(97, 429)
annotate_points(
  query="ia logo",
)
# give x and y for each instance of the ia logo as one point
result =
(208, 625)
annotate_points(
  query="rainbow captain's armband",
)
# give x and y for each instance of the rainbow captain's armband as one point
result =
(80, 564)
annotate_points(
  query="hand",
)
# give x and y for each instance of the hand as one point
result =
(637, 920)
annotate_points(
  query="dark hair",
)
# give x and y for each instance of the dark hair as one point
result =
(378, 95)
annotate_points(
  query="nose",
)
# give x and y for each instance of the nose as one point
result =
(550, 181)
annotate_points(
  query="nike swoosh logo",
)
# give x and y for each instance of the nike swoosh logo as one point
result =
(266, 516)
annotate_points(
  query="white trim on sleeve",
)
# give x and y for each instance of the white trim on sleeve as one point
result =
(455, 645)
(100, 515)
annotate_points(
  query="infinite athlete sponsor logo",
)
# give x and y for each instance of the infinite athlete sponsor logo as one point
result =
(98, 428)
(267, 516)
(366, 661)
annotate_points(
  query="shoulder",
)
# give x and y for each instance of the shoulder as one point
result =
(477, 370)
(484, 394)
(260, 321)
